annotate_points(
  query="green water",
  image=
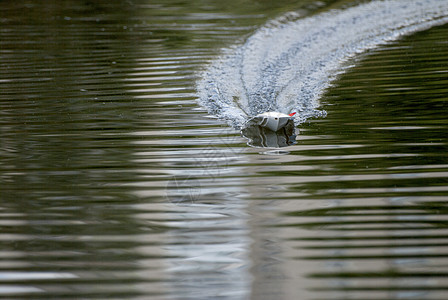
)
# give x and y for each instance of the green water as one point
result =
(115, 184)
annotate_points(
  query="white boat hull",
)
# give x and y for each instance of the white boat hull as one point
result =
(272, 120)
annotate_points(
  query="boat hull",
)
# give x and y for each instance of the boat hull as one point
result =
(272, 120)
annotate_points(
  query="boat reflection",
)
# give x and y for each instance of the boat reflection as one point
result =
(263, 137)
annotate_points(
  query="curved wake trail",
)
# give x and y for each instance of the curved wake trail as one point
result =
(287, 66)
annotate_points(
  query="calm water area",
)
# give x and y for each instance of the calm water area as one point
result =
(116, 184)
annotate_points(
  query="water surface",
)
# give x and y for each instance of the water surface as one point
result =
(117, 184)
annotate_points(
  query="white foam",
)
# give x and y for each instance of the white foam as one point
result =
(287, 66)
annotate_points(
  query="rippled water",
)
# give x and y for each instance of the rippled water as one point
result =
(286, 65)
(116, 184)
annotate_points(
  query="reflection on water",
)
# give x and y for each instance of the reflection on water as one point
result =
(115, 184)
(263, 137)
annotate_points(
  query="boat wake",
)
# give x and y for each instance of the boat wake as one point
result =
(286, 66)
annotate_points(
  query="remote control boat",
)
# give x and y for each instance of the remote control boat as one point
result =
(273, 120)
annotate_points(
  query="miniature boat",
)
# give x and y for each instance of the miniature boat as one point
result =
(273, 120)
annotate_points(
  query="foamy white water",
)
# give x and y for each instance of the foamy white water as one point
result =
(287, 67)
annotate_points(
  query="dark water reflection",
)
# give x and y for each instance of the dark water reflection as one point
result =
(115, 184)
